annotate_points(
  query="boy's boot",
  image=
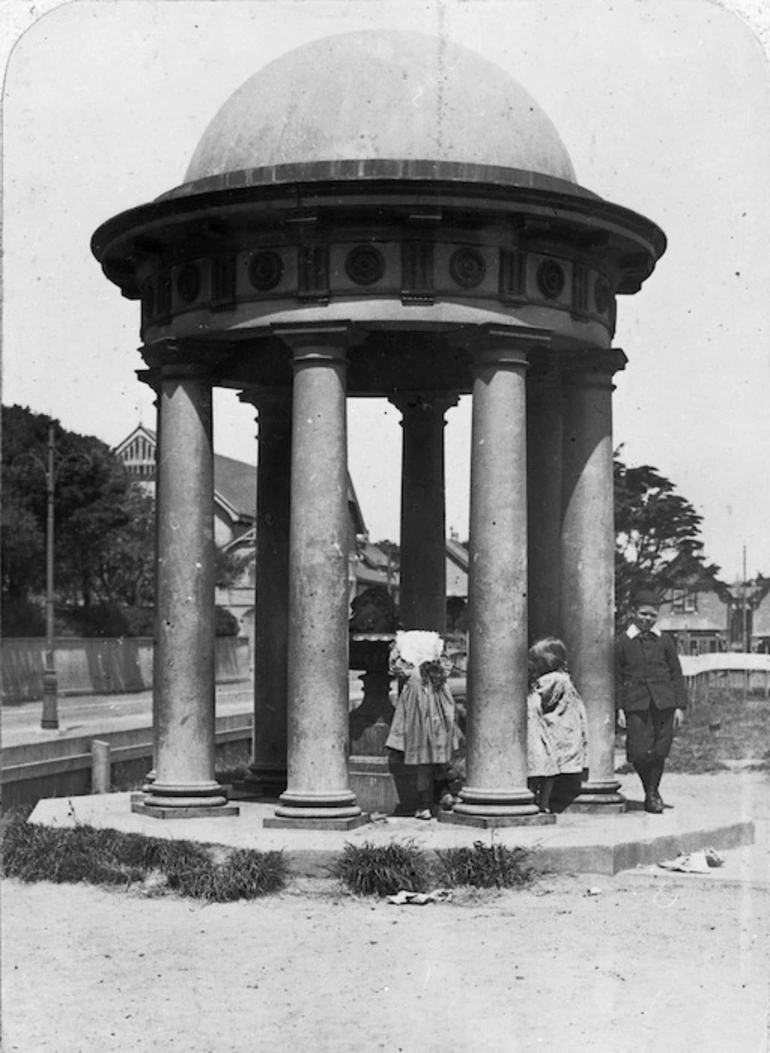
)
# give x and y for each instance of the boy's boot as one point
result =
(651, 800)
(656, 774)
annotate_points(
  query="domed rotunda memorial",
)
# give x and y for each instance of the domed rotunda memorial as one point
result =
(388, 215)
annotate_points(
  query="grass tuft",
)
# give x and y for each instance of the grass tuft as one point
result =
(86, 854)
(485, 866)
(383, 870)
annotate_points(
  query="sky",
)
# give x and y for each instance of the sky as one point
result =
(663, 105)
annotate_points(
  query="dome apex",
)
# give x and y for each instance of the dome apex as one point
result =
(380, 95)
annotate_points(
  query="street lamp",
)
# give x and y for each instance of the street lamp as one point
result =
(50, 468)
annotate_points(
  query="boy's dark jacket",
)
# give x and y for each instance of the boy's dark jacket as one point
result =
(647, 669)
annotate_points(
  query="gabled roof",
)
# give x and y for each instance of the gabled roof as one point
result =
(235, 484)
(685, 571)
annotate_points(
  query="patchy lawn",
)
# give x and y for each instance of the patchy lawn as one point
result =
(720, 729)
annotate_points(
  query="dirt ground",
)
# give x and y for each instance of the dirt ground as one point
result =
(641, 961)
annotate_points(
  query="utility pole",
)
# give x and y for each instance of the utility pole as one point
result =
(746, 672)
(745, 612)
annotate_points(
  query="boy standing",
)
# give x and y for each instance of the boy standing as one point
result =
(651, 695)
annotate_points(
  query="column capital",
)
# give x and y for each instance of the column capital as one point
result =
(175, 356)
(316, 341)
(423, 404)
(502, 345)
(269, 402)
(150, 377)
(593, 368)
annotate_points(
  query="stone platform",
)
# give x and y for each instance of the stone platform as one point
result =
(709, 810)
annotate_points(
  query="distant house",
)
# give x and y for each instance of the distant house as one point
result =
(235, 511)
(696, 608)
(235, 483)
(760, 617)
(456, 585)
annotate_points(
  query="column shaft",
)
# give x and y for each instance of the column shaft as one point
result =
(545, 404)
(268, 765)
(496, 792)
(423, 514)
(318, 585)
(588, 568)
(183, 682)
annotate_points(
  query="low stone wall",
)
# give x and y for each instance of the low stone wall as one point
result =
(100, 666)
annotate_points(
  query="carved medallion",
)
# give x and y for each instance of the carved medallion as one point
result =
(467, 268)
(550, 279)
(364, 265)
(188, 283)
(265, 270)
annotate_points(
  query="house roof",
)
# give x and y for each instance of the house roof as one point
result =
(691, 622)
(687, 572)
(235, 483)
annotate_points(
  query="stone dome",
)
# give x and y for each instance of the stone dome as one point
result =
(384, 95)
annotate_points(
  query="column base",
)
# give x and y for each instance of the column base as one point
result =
(187, 811)
(491, 822)
(317, 811)
(180, 800)
(495, 804)
(600, 795)
(301, 823)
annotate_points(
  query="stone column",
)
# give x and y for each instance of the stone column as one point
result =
(151, 377)
(318, 793)
(588, 565)
(184, 785)
(423, 515)
(496, 792)
(271, 602)
(545, 412)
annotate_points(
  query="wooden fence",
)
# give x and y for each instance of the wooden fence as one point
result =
(705, 673)
(100, 666)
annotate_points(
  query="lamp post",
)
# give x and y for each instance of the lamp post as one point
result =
(50, 708)
(50, 468)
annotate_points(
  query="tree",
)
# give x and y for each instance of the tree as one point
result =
(94, 502)
(653, 525)
(126, 569)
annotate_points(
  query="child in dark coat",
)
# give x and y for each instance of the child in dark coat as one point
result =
(651, 695)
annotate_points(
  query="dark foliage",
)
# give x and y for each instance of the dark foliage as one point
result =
(85, 854)
(103, 524)
(382, 870)
(22, 618)
(485, 866)
(653, 525)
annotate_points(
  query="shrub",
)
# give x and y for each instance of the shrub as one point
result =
(244, 874)
(22, 618)
(32, 852)
(484, 866)
(382, 870)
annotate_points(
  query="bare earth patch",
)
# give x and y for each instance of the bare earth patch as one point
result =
(637, 962)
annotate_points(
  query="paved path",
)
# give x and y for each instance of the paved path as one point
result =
(95, 714)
